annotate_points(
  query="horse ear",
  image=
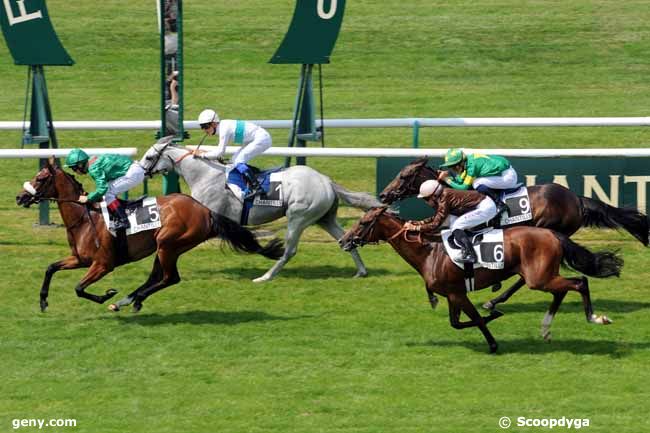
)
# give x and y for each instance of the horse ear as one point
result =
(421, 160)
(165, 140)
(51, 164)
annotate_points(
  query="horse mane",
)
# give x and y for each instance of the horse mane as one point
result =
(78, 185)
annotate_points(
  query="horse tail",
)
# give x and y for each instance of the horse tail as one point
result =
(600, 265)
(361, 200)
(243, 240)
(598, 214)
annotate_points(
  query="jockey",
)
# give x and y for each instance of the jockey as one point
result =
(254, 140)
(484, 173)
(471, 207)
(113, 174)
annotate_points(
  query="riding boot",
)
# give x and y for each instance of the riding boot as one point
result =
(121, 219)
(252, 185)
(494, 196)
(469, 255)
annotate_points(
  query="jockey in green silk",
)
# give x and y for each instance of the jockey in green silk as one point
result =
(113, 174)
(484, 173)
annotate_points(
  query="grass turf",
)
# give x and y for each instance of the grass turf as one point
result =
(315, 350)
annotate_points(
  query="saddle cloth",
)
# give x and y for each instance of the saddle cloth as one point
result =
(488, 245)
(270, 193)
(143, 213)
(519, 208)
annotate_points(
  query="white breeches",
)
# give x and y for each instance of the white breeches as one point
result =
(484, 212)
(507, 180)
(260, 143)
(133, 177)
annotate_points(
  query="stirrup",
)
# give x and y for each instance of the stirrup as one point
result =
(468, 258)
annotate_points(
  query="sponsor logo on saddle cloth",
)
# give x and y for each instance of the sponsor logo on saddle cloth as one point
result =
(488, 245)
(269, 196)
(519, 208)
(144, 216)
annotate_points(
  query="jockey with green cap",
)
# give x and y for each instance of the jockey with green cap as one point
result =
(113, 175)
(484, 173)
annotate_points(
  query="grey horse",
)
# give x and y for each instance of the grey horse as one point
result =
(309, 197)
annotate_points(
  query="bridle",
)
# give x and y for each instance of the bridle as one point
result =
(159, 154)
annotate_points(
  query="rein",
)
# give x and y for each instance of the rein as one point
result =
(406, 238)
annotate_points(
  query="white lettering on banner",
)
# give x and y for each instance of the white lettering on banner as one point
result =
(561, 180)
(24, 16)
(321, 9)
(531, 179)
(592, 186)
(641, 186)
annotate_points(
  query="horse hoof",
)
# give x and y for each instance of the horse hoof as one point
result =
(363, 274)
(546, 335)
(113, 307)
(496, 287)
(601, 320)
(495, 314)
(488, 305)
(111, 292)
(493, 348)
(43, 306)
(262, 279)
(137, 307)
(434, 302)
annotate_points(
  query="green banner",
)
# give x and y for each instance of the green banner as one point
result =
(29, 34)
(312, 33)
(616, 181)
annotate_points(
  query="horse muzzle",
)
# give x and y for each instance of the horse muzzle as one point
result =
(27, 196)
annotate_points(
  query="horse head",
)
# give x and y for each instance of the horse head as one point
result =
(49, 183)
(154, 162)
(369, 229)
(407, 182)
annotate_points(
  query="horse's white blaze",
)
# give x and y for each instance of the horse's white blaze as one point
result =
(29, 188)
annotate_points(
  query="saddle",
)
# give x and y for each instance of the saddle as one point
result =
(268, 194)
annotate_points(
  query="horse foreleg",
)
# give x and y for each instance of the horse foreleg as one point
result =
(155, 276)
(71, 262)
(550, 314)
(462, 302)
(170, 276)
(331, 226)
(489, 305)
(95, 273)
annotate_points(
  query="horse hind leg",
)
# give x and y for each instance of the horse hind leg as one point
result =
(170, 276)
(583, 289)
(331, 226)
(291, 239)
(155, 276)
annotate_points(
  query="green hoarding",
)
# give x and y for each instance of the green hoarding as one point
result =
(312, 33)
(29, 34)
(618, 181)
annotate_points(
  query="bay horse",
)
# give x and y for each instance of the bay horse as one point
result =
(308, 197)
(185, 224)
(553, 207)
(533, 253)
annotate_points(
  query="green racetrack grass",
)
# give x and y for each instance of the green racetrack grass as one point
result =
(315, 350)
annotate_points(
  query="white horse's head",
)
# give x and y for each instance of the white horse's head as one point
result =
(154, 160)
